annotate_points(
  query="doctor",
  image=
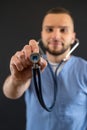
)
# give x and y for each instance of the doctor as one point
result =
(70, 109)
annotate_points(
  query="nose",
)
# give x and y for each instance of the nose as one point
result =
(56, 34)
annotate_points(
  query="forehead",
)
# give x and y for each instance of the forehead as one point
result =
(57, 20)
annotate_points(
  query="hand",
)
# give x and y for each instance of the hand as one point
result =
(20, 64)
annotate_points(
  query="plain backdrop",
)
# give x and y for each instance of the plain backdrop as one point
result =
(20, 21)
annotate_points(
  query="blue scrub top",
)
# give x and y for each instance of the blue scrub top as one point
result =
(70, 110)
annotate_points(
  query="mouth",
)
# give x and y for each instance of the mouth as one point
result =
(55, 44)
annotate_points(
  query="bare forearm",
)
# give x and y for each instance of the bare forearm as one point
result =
(14, 89)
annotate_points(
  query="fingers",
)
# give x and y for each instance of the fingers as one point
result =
(31, 48)
(21, 58)
(19, 61)
(34, 46)
(42, 63)
(35, 49)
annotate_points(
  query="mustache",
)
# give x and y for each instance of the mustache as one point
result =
(55, 41)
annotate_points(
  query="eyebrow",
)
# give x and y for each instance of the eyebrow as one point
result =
(48, 26)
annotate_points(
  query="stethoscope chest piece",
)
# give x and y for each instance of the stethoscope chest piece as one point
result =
(34, 58)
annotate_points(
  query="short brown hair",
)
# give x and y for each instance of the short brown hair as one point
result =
(58, 10)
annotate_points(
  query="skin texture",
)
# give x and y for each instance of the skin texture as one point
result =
(57, 35)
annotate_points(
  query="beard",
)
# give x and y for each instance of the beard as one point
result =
(56, 53)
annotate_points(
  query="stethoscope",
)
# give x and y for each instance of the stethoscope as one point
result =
(35, 57)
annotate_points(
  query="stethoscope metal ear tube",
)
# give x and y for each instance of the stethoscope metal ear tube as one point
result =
(73, 48)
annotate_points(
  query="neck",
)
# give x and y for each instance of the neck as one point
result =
(57, 59)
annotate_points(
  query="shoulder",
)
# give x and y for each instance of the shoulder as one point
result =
(79, 63)
(79, 60)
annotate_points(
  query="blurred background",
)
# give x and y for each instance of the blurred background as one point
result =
(20, 21)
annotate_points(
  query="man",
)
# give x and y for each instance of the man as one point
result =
(70, 108)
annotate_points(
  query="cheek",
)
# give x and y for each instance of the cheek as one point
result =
(44, 38)
(68, 40)
(45, 35)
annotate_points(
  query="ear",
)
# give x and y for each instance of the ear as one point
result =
(73, 38)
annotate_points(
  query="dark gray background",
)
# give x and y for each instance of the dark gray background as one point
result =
(19, 22)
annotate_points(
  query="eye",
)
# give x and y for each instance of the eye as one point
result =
(64, 30)
(49, 29)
